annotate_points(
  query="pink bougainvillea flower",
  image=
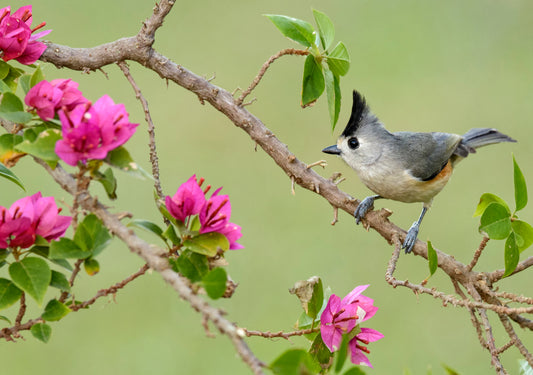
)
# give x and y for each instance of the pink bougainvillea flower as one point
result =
(342, 316)
(16, 39)
(29, 217)
(113, 120)
(48, 97)
(188, 200)
(90, 131)
(233, 233)
(357, 350)
(215, 213)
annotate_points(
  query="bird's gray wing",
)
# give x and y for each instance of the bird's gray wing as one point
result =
(424, 155)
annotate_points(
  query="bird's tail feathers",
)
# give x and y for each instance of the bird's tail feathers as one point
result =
(479, 137)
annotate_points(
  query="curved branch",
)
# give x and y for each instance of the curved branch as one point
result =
(155, 259)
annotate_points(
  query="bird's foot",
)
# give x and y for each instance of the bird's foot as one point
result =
(410, 238)
(361, 210)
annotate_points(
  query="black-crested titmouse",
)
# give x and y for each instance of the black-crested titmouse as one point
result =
(403, 166)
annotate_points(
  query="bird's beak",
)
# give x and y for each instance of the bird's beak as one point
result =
(334, 150)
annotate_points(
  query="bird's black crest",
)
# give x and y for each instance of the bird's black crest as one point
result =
(358, 108)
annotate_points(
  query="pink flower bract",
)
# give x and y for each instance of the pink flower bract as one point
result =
(91, 131)
(48, 97)
(188, 200)
(342, 316)
(16, 39)
(29, 217)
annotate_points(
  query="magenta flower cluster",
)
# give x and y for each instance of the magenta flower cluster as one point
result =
(342, 316)
(90, 130)
(213, 213)
(30, 217)
(17, 38)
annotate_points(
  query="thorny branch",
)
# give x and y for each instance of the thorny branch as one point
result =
(139, 48)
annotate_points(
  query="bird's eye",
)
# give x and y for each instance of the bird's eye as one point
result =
(353, 143)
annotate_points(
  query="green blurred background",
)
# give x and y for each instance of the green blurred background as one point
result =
(423, 66)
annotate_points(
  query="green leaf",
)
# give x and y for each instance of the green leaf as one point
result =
(317, 299)
(44, 251)
(170, 234)
(83, 238)
(94, 233)
(524, 234)
(294, 362)
(8, 175)
(120, 158)
(11, 103)
(207, 243)
(326, 30)
(65, 248)
(9, 293)
(432, 259)
(32, 275)
(147, 225)
(354, 371)
(339, 60)
(5, 319)
(25, 82)
(36, 77)
(41, 331)
(55, 311)
(11, 79)
(520, 188)
(313, 83)
(12, 109)
(108, 181)
(300, 31)
(487, 199)
(496, 222)
(333, 92)
(16, 117)
(214, 282)
(319, 351)
(4, 69)
(4, 87)
(92, 267)
(43, 146)
(192, 265)
(342, 354)
(59, 281)
(512, 255)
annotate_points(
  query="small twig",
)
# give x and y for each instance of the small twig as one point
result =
(111, 290)
(505, 347)
(75, 271)
(489, 337)
(335, 215)
(10, 333)
(522, 322)
(473, 317)
(293, 191)
(321, 163)
(515, 339)
(22, 310)
(478, 252)
(497, 275)
(205, 324)
(280, 334)
(154, 160)
(266, 65)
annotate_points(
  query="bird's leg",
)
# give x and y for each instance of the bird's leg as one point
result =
(365, 205)
(410, 238)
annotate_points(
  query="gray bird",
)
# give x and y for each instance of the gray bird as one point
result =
(403, 166)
